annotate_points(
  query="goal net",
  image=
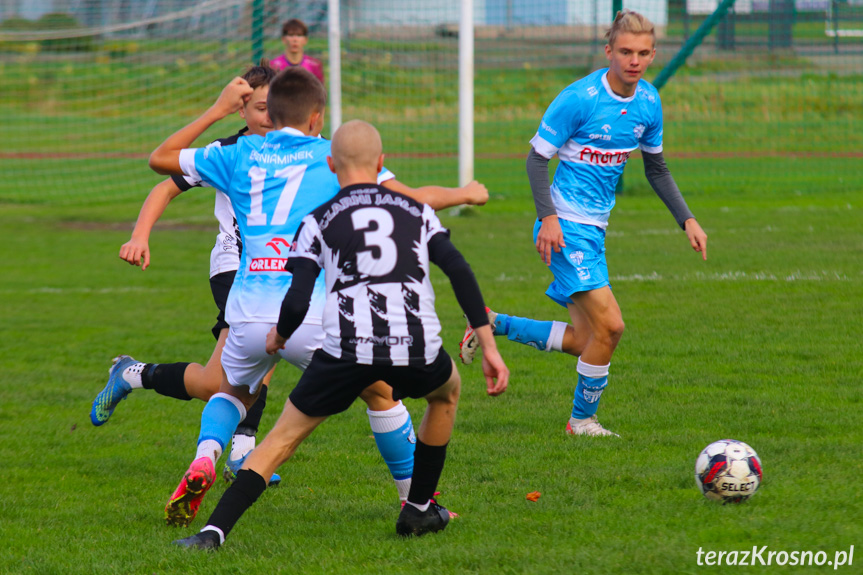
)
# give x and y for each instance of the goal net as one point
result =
(88, 88)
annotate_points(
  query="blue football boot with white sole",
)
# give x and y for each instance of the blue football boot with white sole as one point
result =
(115, 391)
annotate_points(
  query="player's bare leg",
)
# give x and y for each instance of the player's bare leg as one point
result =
(597, 313)
(577, 335)
(422, 514)
(203, 381)
(180, 380)
(436, 426)
(291, 429)
(243, 441)
(379, 397)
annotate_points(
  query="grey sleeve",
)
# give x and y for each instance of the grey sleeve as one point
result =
(663, 184)
(540, 184)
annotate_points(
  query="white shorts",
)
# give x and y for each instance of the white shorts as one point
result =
(245, 358)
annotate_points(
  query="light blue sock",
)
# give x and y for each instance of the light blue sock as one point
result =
(592, 380)
(220, 418)
(394, 434)
(542, 335)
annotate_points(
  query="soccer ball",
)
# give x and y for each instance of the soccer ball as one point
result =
(728, 471)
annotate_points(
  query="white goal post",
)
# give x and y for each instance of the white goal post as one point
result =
(465, 82)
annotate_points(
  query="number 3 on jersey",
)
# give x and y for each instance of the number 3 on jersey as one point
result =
(377, 227)
(293, 176)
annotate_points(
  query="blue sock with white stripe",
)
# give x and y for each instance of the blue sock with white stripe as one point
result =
(220, 418)
(542, 335)
(394, 434)
(592, 380)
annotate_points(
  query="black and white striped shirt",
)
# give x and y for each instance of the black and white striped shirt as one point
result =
(372, 244)
(225, 255)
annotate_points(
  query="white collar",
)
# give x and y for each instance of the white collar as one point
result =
(611, 92)
(291, 131)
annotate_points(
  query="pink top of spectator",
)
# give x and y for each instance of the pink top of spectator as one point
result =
(313, 65)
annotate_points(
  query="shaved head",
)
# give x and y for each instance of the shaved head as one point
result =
(356, 145)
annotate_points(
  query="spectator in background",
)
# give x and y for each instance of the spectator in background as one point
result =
(295, 36)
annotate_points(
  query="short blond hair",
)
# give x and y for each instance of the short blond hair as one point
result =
(631, 22)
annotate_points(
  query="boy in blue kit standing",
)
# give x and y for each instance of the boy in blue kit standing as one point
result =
(272, 183)
(593, 126)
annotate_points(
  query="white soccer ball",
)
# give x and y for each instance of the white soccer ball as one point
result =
(728, 471)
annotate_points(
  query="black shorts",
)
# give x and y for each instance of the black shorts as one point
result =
(220, 285)
(330, 385)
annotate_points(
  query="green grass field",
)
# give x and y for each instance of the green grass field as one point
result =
(759, 343)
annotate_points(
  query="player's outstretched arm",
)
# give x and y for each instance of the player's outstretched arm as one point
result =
(137, 250)
(445, 255)
(697, 237)
(662, 182)
(439, 197)
(166, 158)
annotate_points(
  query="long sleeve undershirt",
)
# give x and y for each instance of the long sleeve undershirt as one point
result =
(655, 170)
(446, 256)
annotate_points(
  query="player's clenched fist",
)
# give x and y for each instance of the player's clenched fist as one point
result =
(476, 193)
(233, 96)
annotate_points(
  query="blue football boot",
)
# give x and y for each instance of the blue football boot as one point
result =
(116, 390)
(232, 466)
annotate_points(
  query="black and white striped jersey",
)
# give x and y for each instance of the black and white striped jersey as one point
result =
(225, 255)
(372, 244)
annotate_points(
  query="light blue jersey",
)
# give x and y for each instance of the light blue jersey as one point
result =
(272, 182)
(593, 131)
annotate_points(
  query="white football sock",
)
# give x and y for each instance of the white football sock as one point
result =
(555, 338)
(209, 448)
(132, 375)
(420, 507)
(404, 487)
(241, 444)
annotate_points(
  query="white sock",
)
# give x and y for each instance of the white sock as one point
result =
(132, 375)
(241, 445)
(389, 420)
(404, 487)
(423, 507)
(555, 338)
(209, 448)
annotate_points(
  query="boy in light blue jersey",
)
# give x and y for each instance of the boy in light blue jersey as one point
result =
(272, 182)
(593, 126)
